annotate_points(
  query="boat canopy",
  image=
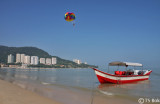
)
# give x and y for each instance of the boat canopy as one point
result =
(118, 63)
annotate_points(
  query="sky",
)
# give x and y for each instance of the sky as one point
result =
(105, 30)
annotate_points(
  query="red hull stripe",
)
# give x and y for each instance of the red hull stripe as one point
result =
(107, 80)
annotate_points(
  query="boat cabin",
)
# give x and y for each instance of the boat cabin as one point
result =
(130, 71)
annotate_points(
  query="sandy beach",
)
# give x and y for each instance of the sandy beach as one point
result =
(12, 94)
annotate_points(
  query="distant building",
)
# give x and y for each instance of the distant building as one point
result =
(18, 58)
(54, 60)
(34, 60)
(77, 61)
(27, 59)
(42, 61)
(85, 62)
(22, 58)
(10, 58)
(48, 61)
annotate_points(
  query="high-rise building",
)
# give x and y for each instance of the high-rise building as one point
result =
(77, 61)
(27, 59)
(48, 61)
(54, 60)
(10, 58)
(22, 58)
(42, 60)
(34, 60)
(18, 58)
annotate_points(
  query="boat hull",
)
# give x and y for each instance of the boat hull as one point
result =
(119, 79)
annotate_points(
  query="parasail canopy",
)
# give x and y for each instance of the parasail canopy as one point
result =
(69, 16)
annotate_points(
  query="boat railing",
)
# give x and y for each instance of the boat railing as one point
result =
(131, 72)
(124, 73)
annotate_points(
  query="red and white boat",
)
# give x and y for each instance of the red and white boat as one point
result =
(121, 77)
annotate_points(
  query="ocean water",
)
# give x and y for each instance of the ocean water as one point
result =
(75, 84)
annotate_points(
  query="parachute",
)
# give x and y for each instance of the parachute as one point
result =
(69, 16)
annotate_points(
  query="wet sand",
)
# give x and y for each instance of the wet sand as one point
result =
(12, 94)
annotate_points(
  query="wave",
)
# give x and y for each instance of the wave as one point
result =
(45, 83)
(106, 93)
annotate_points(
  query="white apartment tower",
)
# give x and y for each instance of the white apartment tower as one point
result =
(77, 61)
(18, 58)
(42, 61)
(27, 59)
(34, 60)
(54, 60)
(10, 58)
(22, 58)
(48, 61)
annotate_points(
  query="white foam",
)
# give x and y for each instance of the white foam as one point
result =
(44, 83)
(106, 93)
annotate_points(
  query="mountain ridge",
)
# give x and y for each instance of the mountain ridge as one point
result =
(34, 51)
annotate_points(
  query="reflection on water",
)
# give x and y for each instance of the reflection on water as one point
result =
(54, 83)
(68, 77)
(80, 78)
(134, 89)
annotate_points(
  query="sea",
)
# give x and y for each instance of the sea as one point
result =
(81, 86)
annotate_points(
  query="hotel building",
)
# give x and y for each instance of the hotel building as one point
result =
(10, 58)
(48, 61)
(54, 60)
(22, 58)
(18, 58)
(27, 59)
(42, 61)
(34, 60)
(77, 61)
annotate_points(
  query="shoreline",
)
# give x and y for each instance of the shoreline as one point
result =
(37, 68)
(13, 94)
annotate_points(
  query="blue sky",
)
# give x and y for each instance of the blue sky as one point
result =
(105, 31)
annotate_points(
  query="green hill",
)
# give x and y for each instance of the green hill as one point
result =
(31, 51)
(34, 51)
